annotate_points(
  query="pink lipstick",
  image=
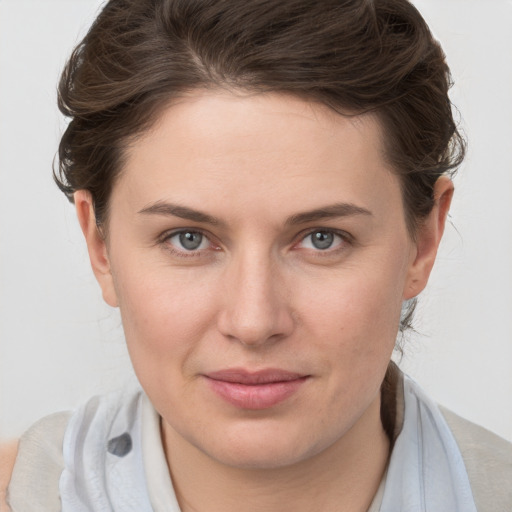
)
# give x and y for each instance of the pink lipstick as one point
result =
(255, 390)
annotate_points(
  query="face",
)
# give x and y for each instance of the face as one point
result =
(259, 254)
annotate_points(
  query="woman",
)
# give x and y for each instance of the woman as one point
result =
(262, 188)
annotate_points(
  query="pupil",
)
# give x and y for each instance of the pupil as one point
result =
(322, 239)
(191, 240)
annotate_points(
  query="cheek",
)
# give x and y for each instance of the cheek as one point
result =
(354, 306)
(165, 314)
(354, 324)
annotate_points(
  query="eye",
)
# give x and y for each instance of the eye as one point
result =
(188, 241)
(322, 240)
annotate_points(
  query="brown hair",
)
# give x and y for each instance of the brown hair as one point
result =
(354, 56)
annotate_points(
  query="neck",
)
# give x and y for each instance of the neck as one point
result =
(344, 477)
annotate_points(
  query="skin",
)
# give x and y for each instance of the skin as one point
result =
(8, 451)
(259, 294)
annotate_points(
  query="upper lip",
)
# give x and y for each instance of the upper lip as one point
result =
(266, 376)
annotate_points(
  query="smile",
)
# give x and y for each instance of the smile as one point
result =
(255, 390)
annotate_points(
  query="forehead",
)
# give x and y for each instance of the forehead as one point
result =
(223, 149)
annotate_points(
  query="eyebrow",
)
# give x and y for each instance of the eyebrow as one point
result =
(174, 210)
(327, 212)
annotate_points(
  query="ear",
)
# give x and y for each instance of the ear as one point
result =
(428, 238)
(96, 245)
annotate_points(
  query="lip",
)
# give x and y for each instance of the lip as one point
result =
(255, 390)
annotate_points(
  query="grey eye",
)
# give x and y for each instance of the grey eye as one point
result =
(189, 240)
(322, 239)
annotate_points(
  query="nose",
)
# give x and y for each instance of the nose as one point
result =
(256, 308)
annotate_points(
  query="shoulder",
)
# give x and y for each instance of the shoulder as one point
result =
(488, 460)
(38, 466)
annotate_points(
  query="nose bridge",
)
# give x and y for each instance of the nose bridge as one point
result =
(255, 308)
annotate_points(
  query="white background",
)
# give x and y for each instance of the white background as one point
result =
(59, 344)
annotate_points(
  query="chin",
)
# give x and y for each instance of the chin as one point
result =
(254, 458)
(264, 447)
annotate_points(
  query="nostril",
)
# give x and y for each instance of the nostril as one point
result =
(257, 329)
(254, 309)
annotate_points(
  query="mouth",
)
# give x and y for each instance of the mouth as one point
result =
(255, 390)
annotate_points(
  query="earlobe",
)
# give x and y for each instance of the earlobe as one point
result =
(428, 238)
(96, 245)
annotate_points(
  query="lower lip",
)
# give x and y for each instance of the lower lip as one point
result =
(256, 397)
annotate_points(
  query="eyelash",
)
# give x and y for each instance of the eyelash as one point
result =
(345, 238)
(165, 240)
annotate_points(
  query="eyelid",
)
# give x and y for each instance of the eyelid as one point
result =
(176, 231)
(346, 237)
(163, 239)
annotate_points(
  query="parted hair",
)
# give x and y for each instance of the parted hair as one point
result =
(354, 56)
